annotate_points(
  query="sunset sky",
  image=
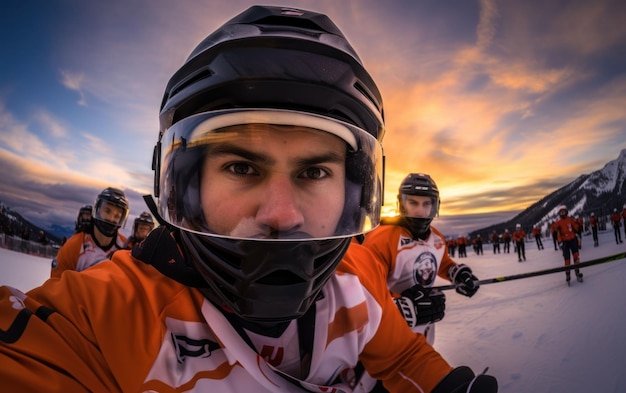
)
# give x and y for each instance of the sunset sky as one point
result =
(502, 102)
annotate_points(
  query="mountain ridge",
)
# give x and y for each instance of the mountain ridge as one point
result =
(599, 192)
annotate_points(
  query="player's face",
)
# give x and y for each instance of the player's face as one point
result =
(111, 213)
(274, 181)
(417, 206)
(143, 230)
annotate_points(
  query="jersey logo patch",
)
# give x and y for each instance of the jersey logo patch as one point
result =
(425, 269)
(404, 241)
(189, 347)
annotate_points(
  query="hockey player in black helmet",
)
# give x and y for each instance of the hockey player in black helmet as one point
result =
(567, 229)
(267, 164)
(83, 220)
(142, 225)
(415, 252)
(99, 238)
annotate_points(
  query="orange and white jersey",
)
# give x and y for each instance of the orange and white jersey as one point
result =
(80, 252)
(519, 235)
(409, 261)
(122, 326)
(566, 228)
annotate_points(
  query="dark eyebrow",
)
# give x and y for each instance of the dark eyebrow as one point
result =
(227, 148)
(329, 157)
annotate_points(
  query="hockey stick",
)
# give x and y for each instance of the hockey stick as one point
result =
(512, 277)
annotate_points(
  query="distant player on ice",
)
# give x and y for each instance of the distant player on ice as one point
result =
(567, 228)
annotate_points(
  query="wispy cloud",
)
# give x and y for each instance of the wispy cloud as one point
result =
(50, 124)
(74, 81)
(18, 138)
(486, 29)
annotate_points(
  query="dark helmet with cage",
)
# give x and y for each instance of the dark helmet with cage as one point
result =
(418, 184)
(143, 218)
(280, 67)
(83, 220)
(110, 211)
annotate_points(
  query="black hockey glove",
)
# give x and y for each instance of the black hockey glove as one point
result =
(463, 380)
(466, 282)
(419, 305)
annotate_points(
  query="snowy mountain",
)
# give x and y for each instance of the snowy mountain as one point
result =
(18, 225)
(599, 192)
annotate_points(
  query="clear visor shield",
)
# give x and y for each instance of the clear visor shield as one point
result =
(111, 213)
(418, 206)
(269, 174)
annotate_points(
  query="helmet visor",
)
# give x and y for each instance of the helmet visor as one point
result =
(269, 174)
(111, 213)
(419, 206)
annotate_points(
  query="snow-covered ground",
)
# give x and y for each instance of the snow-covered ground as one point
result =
(23, 271)
(536, 335)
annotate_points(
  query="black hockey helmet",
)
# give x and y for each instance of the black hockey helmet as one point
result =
(419, 184)
(281, 67)
(83, 220)
(143, 218)
(115, 197)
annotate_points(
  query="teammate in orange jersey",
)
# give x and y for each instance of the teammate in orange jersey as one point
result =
(624, 219)
(567, 228)
(461, 242)
(616, 219)
(579, 234)
(495, 241)
(451, 242)
(414, 253)
(143, 224)
(96, 242)
(266, 167)
(537, 236)
(593, 222)
(83, 221)
(506, 239)
(518, 237)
